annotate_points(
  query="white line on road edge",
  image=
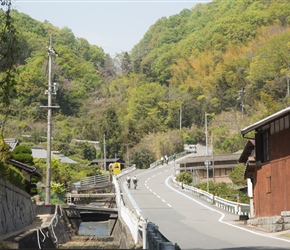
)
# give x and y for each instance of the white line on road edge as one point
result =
(222, 214)
(136, 207)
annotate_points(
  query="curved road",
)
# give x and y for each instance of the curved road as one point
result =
(188, 221)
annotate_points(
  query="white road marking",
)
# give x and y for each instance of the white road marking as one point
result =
(222, 214)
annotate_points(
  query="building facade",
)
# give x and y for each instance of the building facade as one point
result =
(215, 168)
(268, 167)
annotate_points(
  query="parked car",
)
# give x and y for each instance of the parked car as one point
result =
(191, 148)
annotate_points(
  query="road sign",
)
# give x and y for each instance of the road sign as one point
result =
(117, 167)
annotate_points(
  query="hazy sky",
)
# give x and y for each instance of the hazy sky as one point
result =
(115, 25)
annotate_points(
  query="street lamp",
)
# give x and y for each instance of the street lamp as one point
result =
(207, 163)
(205, 123)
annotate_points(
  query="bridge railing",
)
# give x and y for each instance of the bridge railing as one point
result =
(94, 180)
(230, 206)
(131, 220)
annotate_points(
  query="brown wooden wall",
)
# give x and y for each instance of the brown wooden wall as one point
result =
(272, 188)
(280, 145)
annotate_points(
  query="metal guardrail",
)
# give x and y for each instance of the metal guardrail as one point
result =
(159, 162)
(156, 240)
(230, 206)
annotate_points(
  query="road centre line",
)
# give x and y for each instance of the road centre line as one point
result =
(222, 214)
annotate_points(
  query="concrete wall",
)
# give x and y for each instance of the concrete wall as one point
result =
(56, 230)
(16, 208)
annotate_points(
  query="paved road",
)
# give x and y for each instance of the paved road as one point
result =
(188, 221)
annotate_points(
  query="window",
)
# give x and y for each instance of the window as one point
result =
(210, 173)
(266, 147)
(263, 145)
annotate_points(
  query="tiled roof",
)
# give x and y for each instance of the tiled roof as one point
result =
(42, 154)
(109, 160)
(265, 121)
(12, 142)
(25, 167)
(39, 153)
(203, 158)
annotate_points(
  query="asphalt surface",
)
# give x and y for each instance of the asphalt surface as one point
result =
(187, 220)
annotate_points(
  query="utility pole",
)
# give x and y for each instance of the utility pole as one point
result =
(241, 97)
(207, 163)
(104, 152)
(288, 89)
(49, 92)
(180, 118)
(128, 158)
(206, 135)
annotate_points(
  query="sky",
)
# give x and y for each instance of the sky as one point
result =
(114, 25)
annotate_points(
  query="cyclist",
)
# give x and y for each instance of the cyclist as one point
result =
(135, 180)
(128, 179)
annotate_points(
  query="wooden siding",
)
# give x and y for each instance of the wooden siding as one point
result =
(271, 195)
(280, 145)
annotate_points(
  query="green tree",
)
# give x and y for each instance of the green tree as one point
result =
(9, 53)
(237, 176)
(184, 177)
(23, 154)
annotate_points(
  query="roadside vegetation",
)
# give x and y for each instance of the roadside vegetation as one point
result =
(226, 59)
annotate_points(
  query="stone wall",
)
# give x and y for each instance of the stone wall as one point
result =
(16, 208)
(272, 224)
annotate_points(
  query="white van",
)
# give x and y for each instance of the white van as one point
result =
(192, 148)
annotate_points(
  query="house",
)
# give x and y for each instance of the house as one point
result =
(41, 153)
(27, 171)
(218, 170)
(267, 160)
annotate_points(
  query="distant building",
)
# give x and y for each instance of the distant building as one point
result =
(41, 153)
(26, 170)
(219, 168)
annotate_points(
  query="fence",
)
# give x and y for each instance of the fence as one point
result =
(230, 206)
(94, 180)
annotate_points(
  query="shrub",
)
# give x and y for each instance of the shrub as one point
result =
(13, 175)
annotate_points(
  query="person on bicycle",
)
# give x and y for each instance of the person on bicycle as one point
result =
(135, 180)
(128, 179)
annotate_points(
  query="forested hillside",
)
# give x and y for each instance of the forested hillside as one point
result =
(229, 59)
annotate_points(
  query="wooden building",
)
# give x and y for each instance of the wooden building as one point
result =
(268, 166)
(218, 170)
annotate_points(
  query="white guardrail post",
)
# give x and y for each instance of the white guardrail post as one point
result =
(230, 206)
(128, 216)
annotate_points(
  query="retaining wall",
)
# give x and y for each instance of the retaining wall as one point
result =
(16, 208)
(272, 224)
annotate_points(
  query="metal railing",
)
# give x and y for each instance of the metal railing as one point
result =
(230, 206)
(94, 180)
